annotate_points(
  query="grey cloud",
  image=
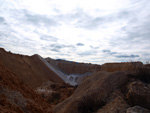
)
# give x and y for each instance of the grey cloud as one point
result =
(136, 31)
(87, 53)
(55, 50)
(80, 44)
(79, 13)
(123, 15)
(107, 51)
(113, 53)
(84, 20)
(4, 35)
(40, 19)
(19, 43)
(127, 56)
(94, 47)
(2, 19)
(89, 23)
(136, 38)
(101, 21)
(48, 38)
(76, 15)
(25, 42)
(57, 47)
(119, 55)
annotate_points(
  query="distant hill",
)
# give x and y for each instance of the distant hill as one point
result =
(124, 66)
(70, 67)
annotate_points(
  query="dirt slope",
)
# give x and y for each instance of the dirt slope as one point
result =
(15, 97)
(29, 69)
(103, 86)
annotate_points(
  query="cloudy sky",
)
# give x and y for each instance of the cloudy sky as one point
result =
(92, 31)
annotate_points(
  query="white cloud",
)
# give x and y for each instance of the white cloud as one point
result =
(53, 28)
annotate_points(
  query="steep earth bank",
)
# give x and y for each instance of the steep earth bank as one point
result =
(29, 69)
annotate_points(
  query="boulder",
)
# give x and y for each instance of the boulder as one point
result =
(137, 109)
(117, 105)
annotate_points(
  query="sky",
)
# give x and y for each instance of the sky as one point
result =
(91, 31)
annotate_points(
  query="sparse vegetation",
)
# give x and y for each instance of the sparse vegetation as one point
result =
(54, 98)
(90, 103)
(142, 73)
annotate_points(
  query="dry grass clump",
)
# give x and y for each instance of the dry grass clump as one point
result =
(142, 73)
(90, 103)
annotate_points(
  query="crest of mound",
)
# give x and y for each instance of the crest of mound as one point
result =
(126, 66)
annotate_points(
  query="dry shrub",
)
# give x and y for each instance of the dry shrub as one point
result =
(54, 98)
(142, 73)
(90, 103)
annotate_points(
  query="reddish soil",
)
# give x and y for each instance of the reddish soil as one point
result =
(29, 69)
(15, 97)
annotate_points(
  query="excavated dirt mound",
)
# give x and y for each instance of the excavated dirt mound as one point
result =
(103, 88)
(15, 97)
(31, 70)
